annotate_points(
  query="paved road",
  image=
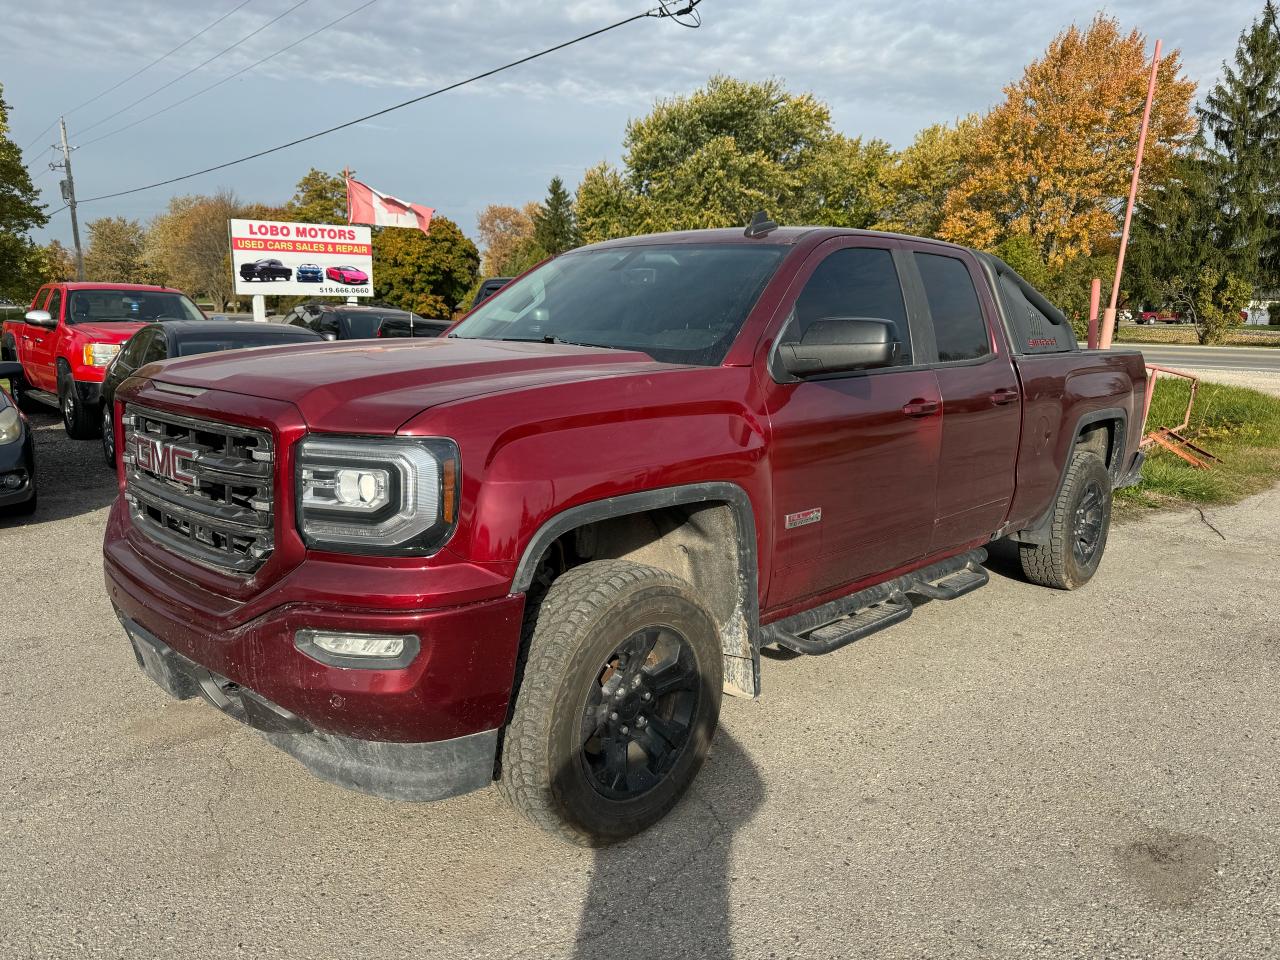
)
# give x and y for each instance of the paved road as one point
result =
(1018, 773)
(1210, 358)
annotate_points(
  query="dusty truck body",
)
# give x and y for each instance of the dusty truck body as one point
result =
(539, 549)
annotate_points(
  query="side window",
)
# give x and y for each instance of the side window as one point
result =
(958, 326)
(326, 322)
(42, 297)
(55, 303)
(853, 282)
(157, 349)
(1036, 332)
(136, 349)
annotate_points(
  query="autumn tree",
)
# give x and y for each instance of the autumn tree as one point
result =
(319, 198)
(1054, 159)
(507, 234)
(1241, 117)
(187, 245)
(117, 251)
(430, 274)
(918, 179)
(20, 212)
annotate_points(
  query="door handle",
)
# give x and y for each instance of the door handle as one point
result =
(920, 408)
(1004, 395)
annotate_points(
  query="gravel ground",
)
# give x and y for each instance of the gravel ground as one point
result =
(1017, 773)
(1253, 379)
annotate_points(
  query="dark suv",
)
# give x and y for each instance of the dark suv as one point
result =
(348, 321)
(265, 270)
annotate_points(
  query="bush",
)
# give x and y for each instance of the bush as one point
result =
(1273, 313)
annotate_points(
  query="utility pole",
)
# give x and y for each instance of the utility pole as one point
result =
(69, 195)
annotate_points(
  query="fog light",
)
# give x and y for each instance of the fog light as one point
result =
(342, 648)
(12, 481)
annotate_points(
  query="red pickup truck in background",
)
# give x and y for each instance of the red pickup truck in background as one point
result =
(539, 549)
(70, 335)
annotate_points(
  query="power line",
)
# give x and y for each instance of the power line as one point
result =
(198, 66)
(242, 70)
(138, 73)
(660, 12)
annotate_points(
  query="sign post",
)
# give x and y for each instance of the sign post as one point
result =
(259, 308)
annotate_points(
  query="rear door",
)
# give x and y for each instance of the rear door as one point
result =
(15, 326)
(41, 358)
(854, 455)
(981, 404)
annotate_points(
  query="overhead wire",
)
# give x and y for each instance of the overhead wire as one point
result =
(661, 11)
(198, 66)
(232, 76)
(140, 72)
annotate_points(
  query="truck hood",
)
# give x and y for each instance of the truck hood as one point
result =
(107, 332)
(372, 387)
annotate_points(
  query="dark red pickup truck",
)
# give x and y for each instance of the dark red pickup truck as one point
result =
(537, 550)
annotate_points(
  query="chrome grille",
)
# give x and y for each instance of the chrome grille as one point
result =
(200, 488)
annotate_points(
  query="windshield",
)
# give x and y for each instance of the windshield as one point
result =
(130, 306)
(678, 302)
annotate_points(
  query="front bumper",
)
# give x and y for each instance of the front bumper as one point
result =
(397, 771)
(89, 393)
(17, 459)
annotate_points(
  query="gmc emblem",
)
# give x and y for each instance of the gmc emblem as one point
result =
(164, 459)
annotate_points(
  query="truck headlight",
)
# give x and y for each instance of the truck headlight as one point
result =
(100, 354)
(10, 425)
(395, 496)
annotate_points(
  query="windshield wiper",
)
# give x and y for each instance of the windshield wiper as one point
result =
(549, 338)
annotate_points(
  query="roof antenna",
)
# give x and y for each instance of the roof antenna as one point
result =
(760, 226)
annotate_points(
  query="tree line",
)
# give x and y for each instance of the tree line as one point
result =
(1040, 180)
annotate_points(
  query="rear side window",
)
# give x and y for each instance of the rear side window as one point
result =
(958, 326)
(1035, 332)
(853, 282)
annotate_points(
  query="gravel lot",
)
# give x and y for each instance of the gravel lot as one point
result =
(1018, 773)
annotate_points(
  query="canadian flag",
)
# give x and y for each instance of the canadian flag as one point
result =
(367, 205)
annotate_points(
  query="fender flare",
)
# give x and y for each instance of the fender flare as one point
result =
(1038, 531)
(748, 604)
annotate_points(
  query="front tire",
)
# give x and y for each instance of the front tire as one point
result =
(1077, 530)
(79, 422)
(618, 706)
(109, 435)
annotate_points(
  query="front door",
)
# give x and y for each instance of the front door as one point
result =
(981, 405)
(854, 455)
(41, 355)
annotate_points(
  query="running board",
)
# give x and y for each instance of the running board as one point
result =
(839, 623)
(43, 397)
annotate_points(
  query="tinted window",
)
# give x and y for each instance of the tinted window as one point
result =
(157, 349)
(853, 282)
(55, 303)
(1035, 332)
(958, 326)
(133, 352)
(676, 302)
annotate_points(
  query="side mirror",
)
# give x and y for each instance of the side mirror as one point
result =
(329, 335)
(10, 370)
(41, 318)
(842, 344)
(218, 316)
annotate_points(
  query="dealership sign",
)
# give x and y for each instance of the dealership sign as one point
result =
(301, 259)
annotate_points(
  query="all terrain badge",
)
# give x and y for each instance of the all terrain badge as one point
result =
(803, 517)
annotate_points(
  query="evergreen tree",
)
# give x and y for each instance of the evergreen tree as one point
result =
(20, 211)
(1242, 118)
(554, 228)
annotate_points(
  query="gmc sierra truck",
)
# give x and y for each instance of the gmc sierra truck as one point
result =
(538, 550)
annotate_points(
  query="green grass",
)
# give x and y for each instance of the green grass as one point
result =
(1240, 426)
(1255, 336)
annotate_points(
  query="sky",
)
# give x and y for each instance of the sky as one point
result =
(886, 69)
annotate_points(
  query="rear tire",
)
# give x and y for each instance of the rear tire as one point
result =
(1078, 528)
(618, 705)
(108, 432)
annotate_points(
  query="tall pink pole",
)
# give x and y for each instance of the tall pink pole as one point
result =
(1109, 318)
(1095, 296)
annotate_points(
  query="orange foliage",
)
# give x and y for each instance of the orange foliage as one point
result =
(1054, 160)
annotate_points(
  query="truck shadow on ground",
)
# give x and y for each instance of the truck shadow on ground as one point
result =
(666, 893)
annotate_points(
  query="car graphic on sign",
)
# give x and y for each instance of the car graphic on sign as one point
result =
(347, 275)
(309, 273)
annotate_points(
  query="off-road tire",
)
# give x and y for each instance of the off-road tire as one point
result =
(80, 422)
(584, 617)
(1056, 563)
